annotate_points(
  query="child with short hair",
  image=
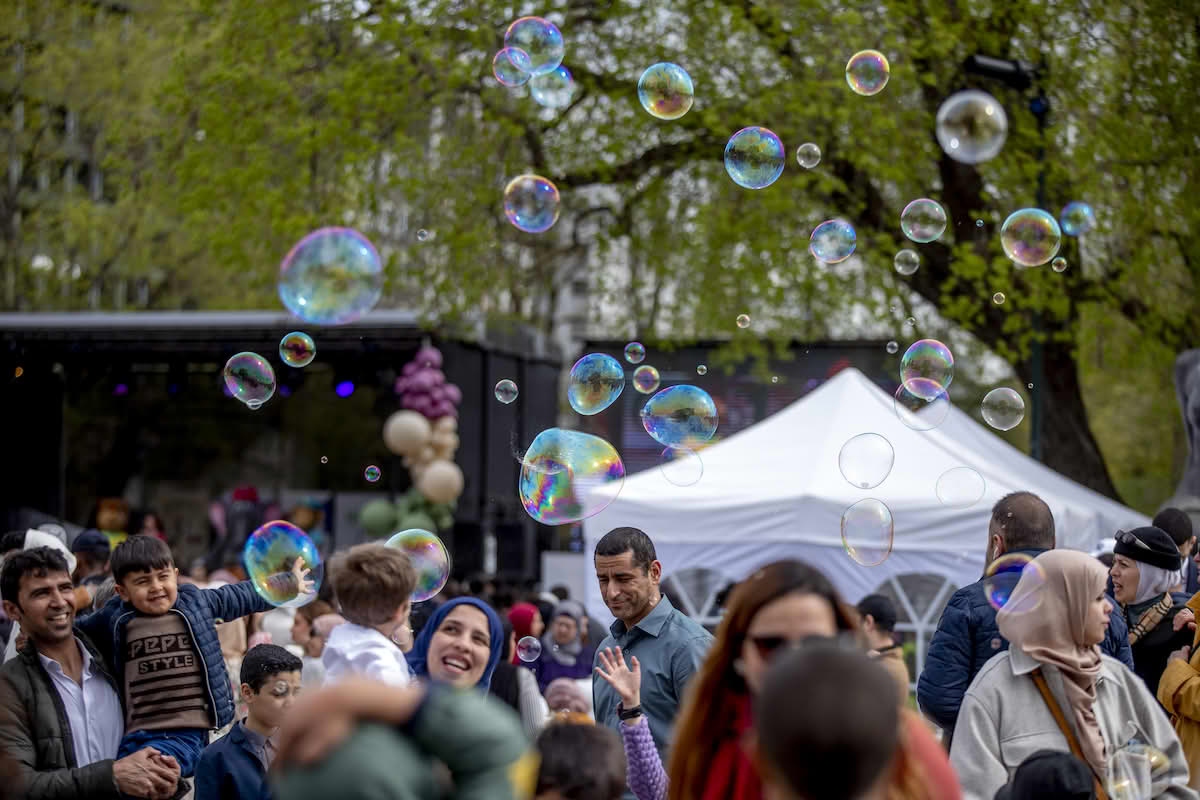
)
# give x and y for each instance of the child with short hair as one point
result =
(159, 639)
(236, 764)
(373, 585)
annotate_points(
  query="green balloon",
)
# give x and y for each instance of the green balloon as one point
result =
(378, 518)
(418, 519)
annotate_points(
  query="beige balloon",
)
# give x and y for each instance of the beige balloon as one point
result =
(426, 455)
(442, 481)
(406, 432)
(448, 424)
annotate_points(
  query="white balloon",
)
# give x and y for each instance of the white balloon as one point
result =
(406, 432)
(442, 482)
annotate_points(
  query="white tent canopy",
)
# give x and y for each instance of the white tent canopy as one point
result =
(775, 491)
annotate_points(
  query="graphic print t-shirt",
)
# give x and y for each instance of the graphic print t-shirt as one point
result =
(165, 686)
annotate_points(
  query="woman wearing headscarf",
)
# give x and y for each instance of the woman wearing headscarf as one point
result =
(459, 645)
(563, 654)
(1054, 690)
(1145, 567)
(526, 620)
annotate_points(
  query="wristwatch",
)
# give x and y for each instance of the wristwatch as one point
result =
(628, 713)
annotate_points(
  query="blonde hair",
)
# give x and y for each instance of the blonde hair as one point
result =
(372, 581)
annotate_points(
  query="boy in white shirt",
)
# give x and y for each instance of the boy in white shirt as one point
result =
(373, 585)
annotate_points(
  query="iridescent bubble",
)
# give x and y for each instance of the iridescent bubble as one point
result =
(923, 220)
(832, 241)
(921, 404)
(702, 370)
(1001, 577)
(680, 416)
(529, 648)
(960, 487)
(539, 39)
(774, 379)
(971, 126)
(645, 379)
(998, 298)
(743, 320)
(561, 473)
(867, 72)
(907, 261)
(681, 466)
(297, 349)
(1077, 218)
(931, 360)
(506, 391)
(531, 203)
(808, 155)
(250, 378)
(424, 235)
(978, 223)
(511, 67)
(1030, 237)
(595, 382)
(893, 347)
(429, 558)
(754, 158)
(866, 460)
(665, 90)
(1003, 408)
(1059, 264)
(910, 321)
(635, 353)
(553, 89)
(372, 474)
(867, 530)
(270, 558)
(331, 276)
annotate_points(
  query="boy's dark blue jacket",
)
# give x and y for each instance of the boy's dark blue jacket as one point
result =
(201, 609)
(229, 768)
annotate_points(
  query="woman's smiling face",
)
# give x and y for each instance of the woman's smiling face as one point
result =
(459, 649)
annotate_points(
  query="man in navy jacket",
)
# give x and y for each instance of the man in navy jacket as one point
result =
(967, 636)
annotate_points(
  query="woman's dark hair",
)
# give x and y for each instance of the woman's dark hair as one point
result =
(711, 700)
(599, 776)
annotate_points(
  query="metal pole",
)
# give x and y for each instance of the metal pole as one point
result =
(1040, 106)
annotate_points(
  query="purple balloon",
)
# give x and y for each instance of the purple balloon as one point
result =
(443, 409)
(409, 401)
(428, 357)
(423, 381)
(453, 393)
(401, 385)
(425, 404)
(410, 368)
(439, 393)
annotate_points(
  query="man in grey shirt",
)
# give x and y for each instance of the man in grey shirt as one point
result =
(668, 644)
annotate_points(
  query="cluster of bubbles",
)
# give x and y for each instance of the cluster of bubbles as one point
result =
(429, 558)
(1030, 237)
(867, 72)
(1003, 408)
(923, 220)
(635, 352)
(645, 379)
(531, 203)
(532, 46)
(270, 558)
(754, 157)
(372, 473)
(971, 126)
(907, 261)
(680, 416)
(506, 391)
(665, 90)
(297, 349)
(832, 241)
(561, 474)
(331, 276)
(595, 382)
(249, 378)
(1001, 578)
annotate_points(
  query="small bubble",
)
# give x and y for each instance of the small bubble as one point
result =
(978, 223)
(910, 321)
(743, 320)
(1029, 385)
(774, 379)
(998, 298)
(702, 370)
(423, 235)
(200, 135)
(324, 459)
(893, 347)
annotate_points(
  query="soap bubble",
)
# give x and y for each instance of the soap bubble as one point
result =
(978, 223)
(681, 466)
(702, 370)
(539, 39)
(754, 158)
(665, 90)
(960, 487)
(998, 298)
(424, 235)
(921, 404)
(531, 203)
(269, 557)
(635, 353)
(774, 379)
(250, 378)
(331, 276)
(429, 558)
(645, 379)
(324, 459)
(529, 648)
(511, 67)
(867, 72)
(1001, 577)
(1003, 408)
(1030, 237)
(893, 347)
(297, 349)
(808, 155)
(506, 391)
(743, 320)
(866, 460)
(553, 89)
(929, 359)
(923, 220)
(910, 322)
(595, 382)
(560, 473)
(907, 261)
(372, 474)
(867, 530)
(680, 416)
(832, 241)
(971, 126)
(1077, 218)
(1059, 264)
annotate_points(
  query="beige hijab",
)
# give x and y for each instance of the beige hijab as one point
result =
(1045, 617)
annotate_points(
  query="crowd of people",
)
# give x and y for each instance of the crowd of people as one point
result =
(124, 678)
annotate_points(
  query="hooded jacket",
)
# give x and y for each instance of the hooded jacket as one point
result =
(1179, 692)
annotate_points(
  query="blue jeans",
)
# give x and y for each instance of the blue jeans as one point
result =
(183, 744)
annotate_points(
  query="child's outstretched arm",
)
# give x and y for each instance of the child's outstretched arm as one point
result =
(240, 599)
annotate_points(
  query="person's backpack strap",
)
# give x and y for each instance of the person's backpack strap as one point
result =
(1065, 727)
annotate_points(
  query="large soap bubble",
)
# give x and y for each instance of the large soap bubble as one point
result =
(867, 531)
(270, 557)
(1003, 408)
(665, 90)
(553, 89)
(971, 126)
(560, 473)
(511, 67)
(832, 241)
(250, 378)
(929, 359)
(540, 40)
(754, 158)
(596, 380)
(531, 203)
(331, 276)
(923, 220)
(680, 416)
(429, 558)
(1030, 237)
(866, 460)
(867, 72)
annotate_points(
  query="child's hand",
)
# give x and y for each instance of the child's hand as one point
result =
(303, 582)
